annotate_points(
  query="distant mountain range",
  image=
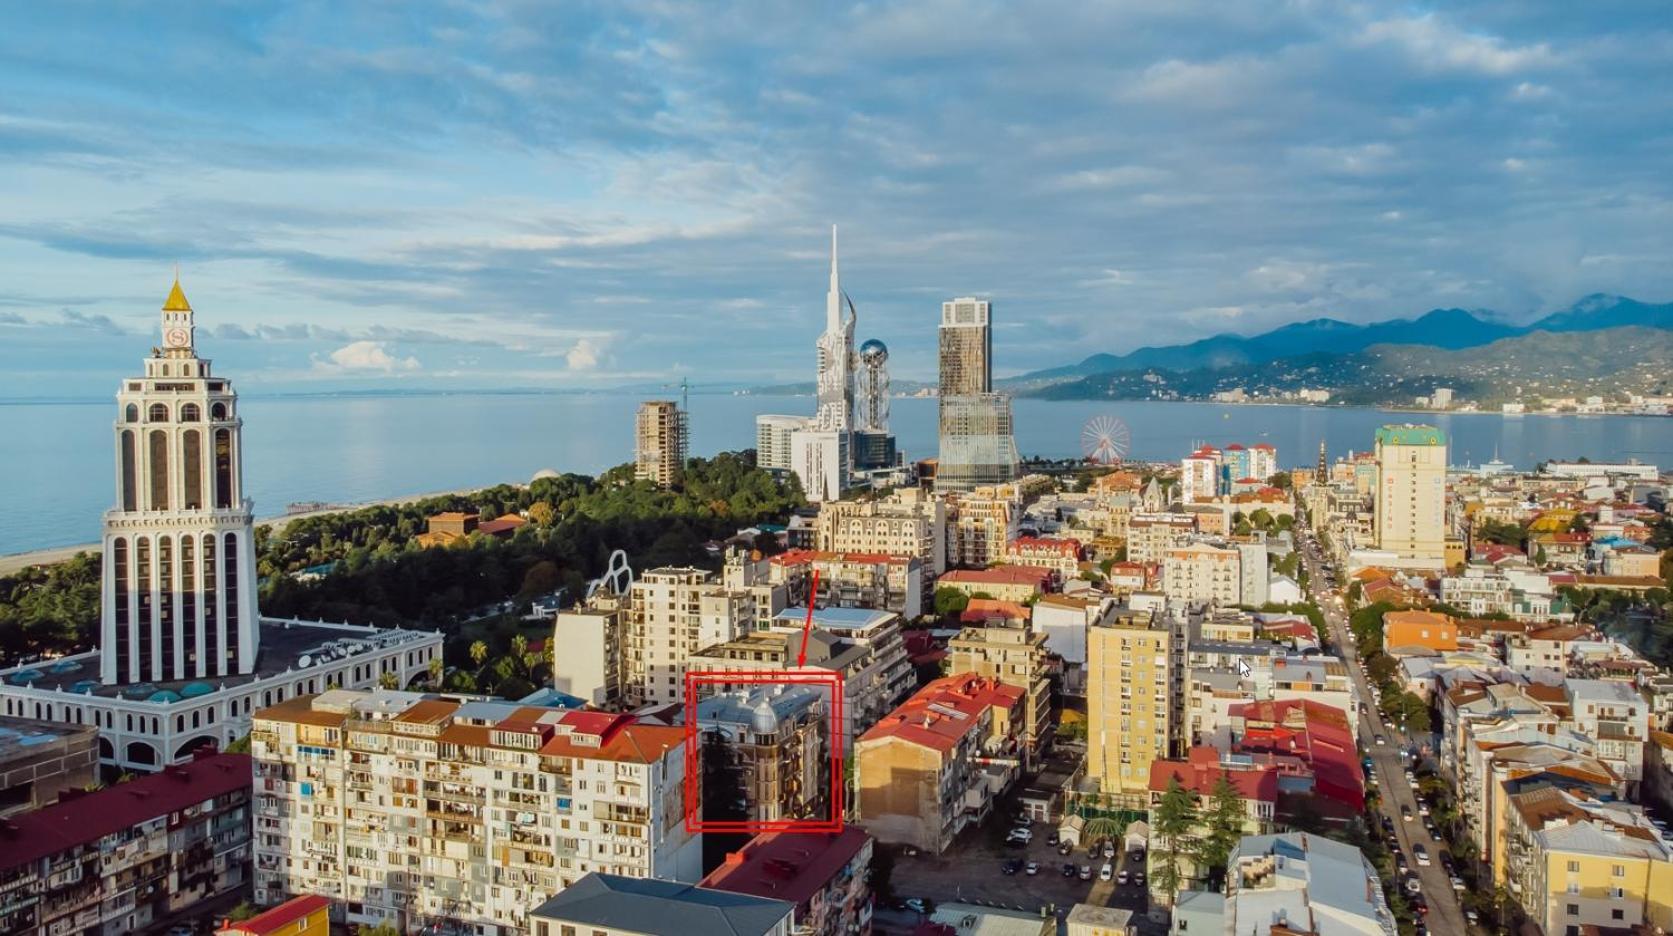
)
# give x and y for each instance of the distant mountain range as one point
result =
(1449, 329)
(1540, 365)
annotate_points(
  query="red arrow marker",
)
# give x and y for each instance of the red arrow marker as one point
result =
(801, 658)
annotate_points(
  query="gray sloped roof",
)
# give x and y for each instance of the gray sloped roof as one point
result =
(643, 905)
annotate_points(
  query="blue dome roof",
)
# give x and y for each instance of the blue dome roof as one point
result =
(85, 685)
(66, 666)
(194, 689)
(163, 695)
(24, 677)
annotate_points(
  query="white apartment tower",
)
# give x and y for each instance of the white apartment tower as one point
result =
(671, 614)
(1410, 498)
(179, 575)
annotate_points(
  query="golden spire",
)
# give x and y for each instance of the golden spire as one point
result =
(176, 301)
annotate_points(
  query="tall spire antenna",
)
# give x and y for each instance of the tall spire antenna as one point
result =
(833, 258)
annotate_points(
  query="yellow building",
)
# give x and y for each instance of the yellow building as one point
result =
(1578, 862)
(1410, 494)
(1129, 702)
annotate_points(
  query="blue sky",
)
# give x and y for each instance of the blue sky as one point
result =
(580, 195)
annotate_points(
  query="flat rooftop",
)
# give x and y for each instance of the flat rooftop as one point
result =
(23, 737)
(284, 645)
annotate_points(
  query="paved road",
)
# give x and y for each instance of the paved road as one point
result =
(1445, 915)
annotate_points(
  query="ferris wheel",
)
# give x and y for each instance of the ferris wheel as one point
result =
(1105, 440)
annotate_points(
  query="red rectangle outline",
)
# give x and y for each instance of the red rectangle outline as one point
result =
(693, 769)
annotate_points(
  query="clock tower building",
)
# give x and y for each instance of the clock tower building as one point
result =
(179, 573)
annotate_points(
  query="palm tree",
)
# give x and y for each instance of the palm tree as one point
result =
(436, 671)
(479, 652)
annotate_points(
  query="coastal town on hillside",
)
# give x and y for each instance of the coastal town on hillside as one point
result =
(825, 687)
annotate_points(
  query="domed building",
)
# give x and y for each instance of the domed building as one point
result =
(775, 742)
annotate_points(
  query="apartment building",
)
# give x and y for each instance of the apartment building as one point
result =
(590, 634)
(851, 580)
(1200, 774)
(659, 442)
(1130, 701)
(981, 524)
(40, 759)
(1277, 882)
(774, 741)
(1201, 573)
(1199, 475)
(1410, 497)
(1062, 556)
(908, 522)
(1015, 654)
(937, 763)
(128, 857)
(865, 647)
(1581, 863)
(1419, 631)
(823, 874)
(671, 614)
(1613, 714)
(419, 810)
(1151, 535)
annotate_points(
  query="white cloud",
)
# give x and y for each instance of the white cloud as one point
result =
(1438, 46)
(370, 357)
(586, 354)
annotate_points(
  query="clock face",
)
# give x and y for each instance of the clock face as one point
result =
(177, 337)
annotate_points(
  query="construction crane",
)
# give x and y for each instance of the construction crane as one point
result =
(685, 394)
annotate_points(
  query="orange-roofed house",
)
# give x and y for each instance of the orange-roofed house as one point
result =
(1006, 582)
(308, 915)
(447, 528)
(1426, 630)
(938, 762)
(823, 873)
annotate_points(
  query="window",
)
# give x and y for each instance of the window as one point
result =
(223, 468)
(158, 469)
(1573, 909)
(129, 484)
(218, 411)
(190, 413)
(1618, 871)
(131, 414)
(1617, 914)
(1574, 867)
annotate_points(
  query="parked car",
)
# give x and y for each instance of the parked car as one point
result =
(1381, 740)
(1033, 867)
(1069, 869)
(1405, 813)
(1106, 872)
(1138, 878)
(1052, 838)
(1065, 848)
(1121, 877)
(1086, 872)
(1421, 854)
(1472, 916)
(1109, 849)
(1010, 866)
(1413, 885)
(1457, 883)
(1022, 835)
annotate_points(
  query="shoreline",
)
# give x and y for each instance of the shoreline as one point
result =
(52, 555)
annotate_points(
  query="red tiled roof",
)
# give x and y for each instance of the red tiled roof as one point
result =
(504, 524)
(999, 575)
(791, 866)
(809, 556)
(622, 738)
(1202, 772)
(989, 609)
(944, 711)
(291, 911)
(51, 829)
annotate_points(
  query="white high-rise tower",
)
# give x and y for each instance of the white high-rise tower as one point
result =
(179, 547)
(836, 356)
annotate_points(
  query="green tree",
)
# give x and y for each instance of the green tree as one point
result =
(388, 681)
(479, 652)
(241, 912)
(1223, 819)
(542, 513)
(950, 602)
(436, 669)
(1172, 822)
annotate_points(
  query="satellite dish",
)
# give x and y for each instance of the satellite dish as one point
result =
(304, 661)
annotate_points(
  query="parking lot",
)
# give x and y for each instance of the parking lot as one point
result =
(971, 871)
